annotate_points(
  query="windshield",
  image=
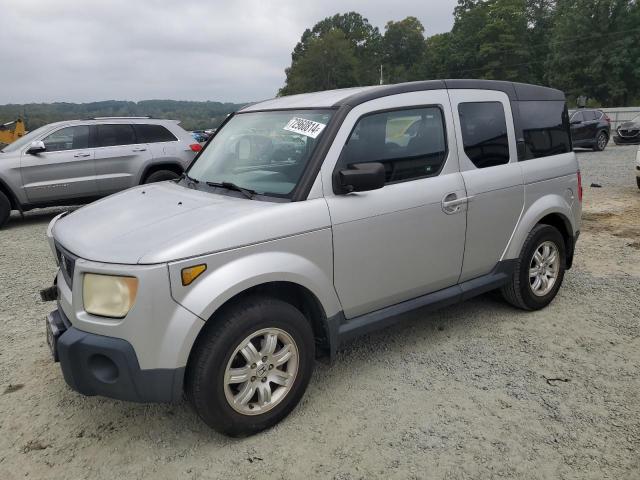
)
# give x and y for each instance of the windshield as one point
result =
(24, 140)
(262, 151)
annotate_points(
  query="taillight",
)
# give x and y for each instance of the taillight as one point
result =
(195, 147)
(579, 186)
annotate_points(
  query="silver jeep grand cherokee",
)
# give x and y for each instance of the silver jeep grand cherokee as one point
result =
(76, 161)
(307, 221)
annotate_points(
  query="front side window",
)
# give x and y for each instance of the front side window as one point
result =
(266, 152)
(409, 143)
(112, 135)
(69, 138)
(484, 133)
(545, 127)
(577, 117)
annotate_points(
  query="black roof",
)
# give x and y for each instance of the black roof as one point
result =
(515, 91)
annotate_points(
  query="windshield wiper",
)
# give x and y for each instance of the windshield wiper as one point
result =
(247, 192)
(191, 179)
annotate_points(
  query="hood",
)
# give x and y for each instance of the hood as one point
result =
(629, 126)
(165, 221)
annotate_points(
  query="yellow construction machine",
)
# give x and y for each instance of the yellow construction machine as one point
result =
(11, 131)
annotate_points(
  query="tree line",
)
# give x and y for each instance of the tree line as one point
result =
(584, 47)
(193, 115)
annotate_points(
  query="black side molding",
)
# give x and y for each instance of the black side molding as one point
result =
(349, 329)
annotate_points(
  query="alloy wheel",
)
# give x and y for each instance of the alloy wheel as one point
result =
(261, 371)
(544, 268)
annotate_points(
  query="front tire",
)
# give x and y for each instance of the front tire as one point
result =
(5, 209)
(251, 367)
(161, 176)
(601, 142)
(539, 270)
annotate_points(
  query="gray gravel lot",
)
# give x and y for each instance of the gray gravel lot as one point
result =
(479, 390)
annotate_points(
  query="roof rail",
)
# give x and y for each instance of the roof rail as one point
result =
(116, 118)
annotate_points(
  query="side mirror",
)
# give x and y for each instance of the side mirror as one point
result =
(36, 147)
(361, 177)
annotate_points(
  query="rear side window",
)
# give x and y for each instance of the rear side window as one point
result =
(69, 138)
(577, 117)
(409, 143)
(148, 133)
(590, 115)
(545, 127)
(112, 135)
(484, 133)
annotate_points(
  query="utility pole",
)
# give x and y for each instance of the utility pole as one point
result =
(381, 82)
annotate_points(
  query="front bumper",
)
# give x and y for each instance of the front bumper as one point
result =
(620, 140)
(100, 365)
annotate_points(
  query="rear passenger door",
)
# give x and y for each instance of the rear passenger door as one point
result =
(491, 173)
(119, 158)
(578, 128)
(403, 240)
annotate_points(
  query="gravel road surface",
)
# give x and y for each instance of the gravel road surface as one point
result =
(478, 390)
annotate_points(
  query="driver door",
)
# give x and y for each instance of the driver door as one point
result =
(403, 240)
(64, 171)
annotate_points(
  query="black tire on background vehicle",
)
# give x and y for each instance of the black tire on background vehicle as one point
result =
(161, 176)
(250, 368)
(527, 288)
(601, 142)
(5, 209)
(638, 181)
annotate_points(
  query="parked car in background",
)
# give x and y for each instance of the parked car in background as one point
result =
(200, 136)
(306, 221)
(77, 161)
(590, 128)
(628, 133)
(638, 168)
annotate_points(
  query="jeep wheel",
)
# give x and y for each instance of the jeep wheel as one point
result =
(161, 176)
(601, 142)
(539, 271)
(5, 209)
(251, 367)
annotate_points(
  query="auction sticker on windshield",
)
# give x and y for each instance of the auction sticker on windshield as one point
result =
(304, 127)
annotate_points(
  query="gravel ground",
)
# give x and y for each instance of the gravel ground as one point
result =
(479, 390)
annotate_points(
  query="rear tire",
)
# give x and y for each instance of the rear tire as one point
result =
(527, 288)
(638, 181)
(5, 209)
(161, 176)
(240, 389)
(601, 142)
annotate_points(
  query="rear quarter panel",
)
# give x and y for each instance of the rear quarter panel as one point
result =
(551, 186)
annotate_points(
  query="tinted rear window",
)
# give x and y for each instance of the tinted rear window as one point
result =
(546, 128)
(148, 133)
(112, 135)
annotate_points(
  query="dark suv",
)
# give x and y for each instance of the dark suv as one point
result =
(590, 128)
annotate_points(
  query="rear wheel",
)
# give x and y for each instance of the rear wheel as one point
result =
(161, 176)
(5, 209)
(539, 271)
(601, 142)
(251, 368)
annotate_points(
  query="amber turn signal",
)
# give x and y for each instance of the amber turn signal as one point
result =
(189, 274)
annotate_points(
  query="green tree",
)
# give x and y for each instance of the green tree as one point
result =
(403, 49)
(594, 50)
(329, 61)
(364, 45)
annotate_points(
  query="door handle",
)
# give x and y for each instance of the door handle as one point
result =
(451, 203)
(82, 155)
(139, 150)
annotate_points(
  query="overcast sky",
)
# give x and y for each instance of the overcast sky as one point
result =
(89, 50)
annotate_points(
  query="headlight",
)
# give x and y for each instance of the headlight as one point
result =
(109, 295)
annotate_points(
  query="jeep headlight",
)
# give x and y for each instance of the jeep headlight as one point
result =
(109, 295)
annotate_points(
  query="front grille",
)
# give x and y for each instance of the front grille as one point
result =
(67, 261)
(628, 133)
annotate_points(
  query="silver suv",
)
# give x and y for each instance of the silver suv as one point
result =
(306, 221)
(77, 161)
